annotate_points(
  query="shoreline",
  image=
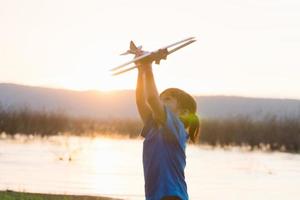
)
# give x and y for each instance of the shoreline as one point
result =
(11, 195)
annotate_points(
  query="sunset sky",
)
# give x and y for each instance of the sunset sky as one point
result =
(247, 48)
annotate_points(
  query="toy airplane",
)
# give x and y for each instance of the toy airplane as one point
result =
(156, 55)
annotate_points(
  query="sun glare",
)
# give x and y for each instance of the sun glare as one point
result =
(105, 159)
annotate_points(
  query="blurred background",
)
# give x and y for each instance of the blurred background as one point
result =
(68, 127)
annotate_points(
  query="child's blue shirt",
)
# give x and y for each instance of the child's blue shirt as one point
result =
(164, 158)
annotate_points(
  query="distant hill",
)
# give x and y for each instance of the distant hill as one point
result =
(121, 104)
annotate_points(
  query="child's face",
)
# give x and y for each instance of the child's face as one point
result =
(170, 102)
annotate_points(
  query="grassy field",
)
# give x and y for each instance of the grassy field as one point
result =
(271, 133)
(11, 195)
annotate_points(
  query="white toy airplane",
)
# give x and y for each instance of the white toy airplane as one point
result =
(156, 55)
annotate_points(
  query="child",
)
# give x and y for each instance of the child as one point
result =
(166, 118)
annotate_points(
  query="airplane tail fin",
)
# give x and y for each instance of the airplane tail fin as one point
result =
(132, 49)
(133, 46)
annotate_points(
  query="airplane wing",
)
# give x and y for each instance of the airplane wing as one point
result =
(133, 46)
(132, 61)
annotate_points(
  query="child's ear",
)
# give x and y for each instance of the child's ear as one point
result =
(184, 112)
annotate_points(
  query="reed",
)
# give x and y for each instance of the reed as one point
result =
(271, 132)
(28, 122)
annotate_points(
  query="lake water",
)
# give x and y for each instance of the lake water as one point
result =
(113, 167)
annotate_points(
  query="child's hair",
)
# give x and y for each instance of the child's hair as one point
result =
(186, 102)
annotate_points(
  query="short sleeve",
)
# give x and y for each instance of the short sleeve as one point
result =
(173, 126)
(147, 126)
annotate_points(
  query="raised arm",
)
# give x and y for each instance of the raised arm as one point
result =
(152, 95)
(143, 108)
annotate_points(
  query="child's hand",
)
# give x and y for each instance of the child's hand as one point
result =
(157, 57)
(144, 63)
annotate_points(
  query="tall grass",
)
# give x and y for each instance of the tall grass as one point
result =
(28, 122)
(271, 132)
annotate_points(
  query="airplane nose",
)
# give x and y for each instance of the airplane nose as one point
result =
(161, 54)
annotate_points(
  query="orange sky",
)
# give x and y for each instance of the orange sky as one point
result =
(248, 48)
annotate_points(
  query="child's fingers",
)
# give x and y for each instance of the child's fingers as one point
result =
(144, 61)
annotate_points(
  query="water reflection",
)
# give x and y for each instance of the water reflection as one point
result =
(113, 167)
